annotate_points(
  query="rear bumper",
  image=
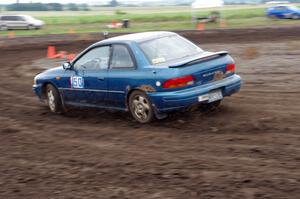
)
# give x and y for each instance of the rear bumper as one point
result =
(176, 100)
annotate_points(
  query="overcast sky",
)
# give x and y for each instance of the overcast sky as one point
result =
(59, 1)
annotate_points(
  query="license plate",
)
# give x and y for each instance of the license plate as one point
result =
(215, 96)
(211, 97)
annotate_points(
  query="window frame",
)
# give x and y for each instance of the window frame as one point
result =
(87, 51)
(134, 67)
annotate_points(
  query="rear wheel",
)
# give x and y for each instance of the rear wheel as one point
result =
(140, 107)
(3, 28)
(53, 99)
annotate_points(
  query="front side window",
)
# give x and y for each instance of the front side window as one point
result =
(169, 48)
(95, 59)
(28, 18)
(121, 57)
(281, 8)
(19, 18)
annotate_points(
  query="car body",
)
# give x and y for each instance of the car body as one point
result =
(164, 69)
(283, 12)
(9, 22)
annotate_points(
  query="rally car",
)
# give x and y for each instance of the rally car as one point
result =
(148, 74)
(283, 12)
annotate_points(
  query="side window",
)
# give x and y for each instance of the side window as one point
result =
(95, 59)
(121, 57)
(281, 8)
(19, 18)
(8, 18)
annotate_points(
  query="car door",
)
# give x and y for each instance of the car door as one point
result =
(21, 22)
(14, 22)
(87, 81)
(122, 72)
(283, 12)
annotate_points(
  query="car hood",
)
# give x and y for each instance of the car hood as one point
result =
(38, 22)
(52, 71)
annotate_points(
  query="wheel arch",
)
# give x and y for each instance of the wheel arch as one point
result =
(44, 88)
(129, 92)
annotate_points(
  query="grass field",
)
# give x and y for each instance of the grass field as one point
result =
(144, 19)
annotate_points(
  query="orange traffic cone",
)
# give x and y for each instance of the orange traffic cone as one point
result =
(71, 57)
(51, 52)
(72, 31)
(61, 54)
(201, 26)
(10, 35)
(114, 23)
(222, 24)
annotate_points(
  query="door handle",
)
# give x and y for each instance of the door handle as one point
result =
(101, 78)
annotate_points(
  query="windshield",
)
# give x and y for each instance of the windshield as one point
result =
(293, 8)
(168, 49)
(29, 18)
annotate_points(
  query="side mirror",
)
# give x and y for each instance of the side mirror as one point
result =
(67, 65)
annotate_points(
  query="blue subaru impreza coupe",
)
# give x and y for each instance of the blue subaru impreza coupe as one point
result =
(149, 74)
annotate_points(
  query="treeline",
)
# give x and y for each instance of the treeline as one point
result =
(255, 1)
(46, 7)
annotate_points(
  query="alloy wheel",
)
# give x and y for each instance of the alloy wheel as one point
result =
(141, 107)
(51, 100)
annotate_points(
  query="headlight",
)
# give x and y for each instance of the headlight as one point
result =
(35, 81)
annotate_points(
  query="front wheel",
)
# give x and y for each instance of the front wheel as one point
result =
(140, 107)
(53, 99)
(294, 16)
(30, 27)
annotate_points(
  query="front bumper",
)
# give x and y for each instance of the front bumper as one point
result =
(176, 100)
(37, 89)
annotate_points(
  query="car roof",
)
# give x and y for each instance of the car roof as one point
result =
(139, 37)
(282, 5)
(10, 15)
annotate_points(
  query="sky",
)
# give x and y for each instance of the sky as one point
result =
(65, 1)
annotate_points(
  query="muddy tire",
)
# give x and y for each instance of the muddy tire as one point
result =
(140, 107)
(53, 99)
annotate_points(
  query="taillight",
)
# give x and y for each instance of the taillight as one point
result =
(179, 82)
(230, 68)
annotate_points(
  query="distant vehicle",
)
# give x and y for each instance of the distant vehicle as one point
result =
(277, 2)
(9, 22)
(283, 12)
(149, 74)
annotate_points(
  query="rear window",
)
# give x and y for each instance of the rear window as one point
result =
(167, 49)
(9, 18)
(12, 18)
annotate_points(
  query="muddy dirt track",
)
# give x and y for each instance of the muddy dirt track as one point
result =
(249, 148)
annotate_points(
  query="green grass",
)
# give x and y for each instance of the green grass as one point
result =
(145, 19)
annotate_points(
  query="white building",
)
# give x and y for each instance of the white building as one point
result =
(207, 3)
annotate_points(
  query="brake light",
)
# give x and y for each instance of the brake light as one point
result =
(230, 68)
(179, 82)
